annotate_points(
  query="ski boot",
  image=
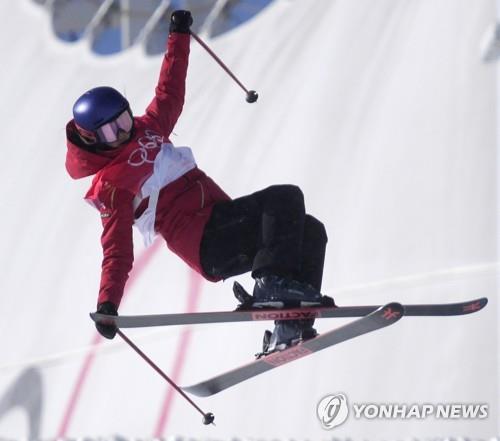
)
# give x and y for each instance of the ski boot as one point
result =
(286, 333)
(279, 292)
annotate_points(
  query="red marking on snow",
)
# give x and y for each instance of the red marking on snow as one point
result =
(139, 266)
(286, 356)
(195, 289)
(82, 376)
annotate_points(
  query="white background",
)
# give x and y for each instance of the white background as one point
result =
(381, 111)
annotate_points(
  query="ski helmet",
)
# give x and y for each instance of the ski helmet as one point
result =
(97, 107)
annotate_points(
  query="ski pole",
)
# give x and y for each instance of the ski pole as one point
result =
(208, 418)
(252, 95)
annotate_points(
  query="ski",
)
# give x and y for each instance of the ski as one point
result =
(138, 321)
(380, 318)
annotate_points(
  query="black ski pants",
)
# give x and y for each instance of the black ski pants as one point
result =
(267, 232)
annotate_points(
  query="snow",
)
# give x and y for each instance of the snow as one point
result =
(382, 112)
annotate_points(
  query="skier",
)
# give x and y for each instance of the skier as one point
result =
(141, 179)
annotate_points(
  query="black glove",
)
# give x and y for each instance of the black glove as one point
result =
(108, 331)
(180, 21)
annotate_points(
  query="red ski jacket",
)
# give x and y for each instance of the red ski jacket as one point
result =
(184, 204)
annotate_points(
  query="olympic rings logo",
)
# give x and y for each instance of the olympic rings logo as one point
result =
(151, 141)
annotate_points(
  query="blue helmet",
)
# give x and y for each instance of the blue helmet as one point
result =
(97, 107)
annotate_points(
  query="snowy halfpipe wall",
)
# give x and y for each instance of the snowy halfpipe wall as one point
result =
(381, 111)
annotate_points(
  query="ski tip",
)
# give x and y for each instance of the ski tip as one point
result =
(200, 390)
(390, 313)
(474, 305)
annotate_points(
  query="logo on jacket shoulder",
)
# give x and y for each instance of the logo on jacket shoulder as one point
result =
(149, 145)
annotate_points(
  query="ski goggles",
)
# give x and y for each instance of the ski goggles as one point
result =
(110, 131)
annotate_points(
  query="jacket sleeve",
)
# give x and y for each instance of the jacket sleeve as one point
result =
(166, 106)
(117, 215)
